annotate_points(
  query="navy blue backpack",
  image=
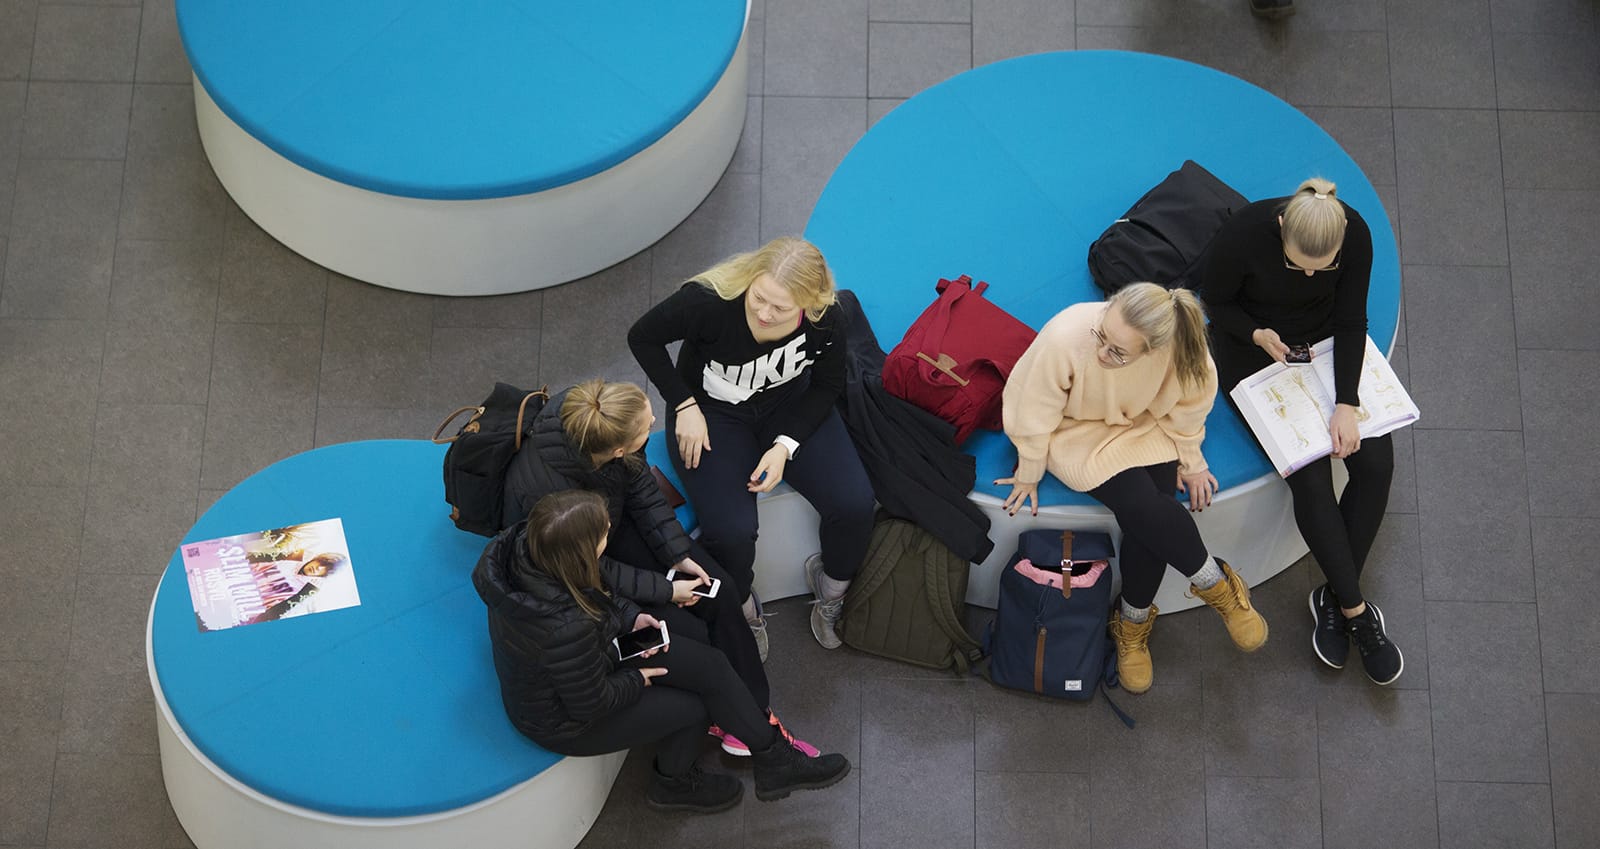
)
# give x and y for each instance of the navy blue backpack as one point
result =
(1049, 637)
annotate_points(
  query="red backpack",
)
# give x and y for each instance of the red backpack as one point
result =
(955, 359)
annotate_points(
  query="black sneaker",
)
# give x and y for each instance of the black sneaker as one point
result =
(696, 790)
(1272, 9)
(1379, 654)
(1328, 636)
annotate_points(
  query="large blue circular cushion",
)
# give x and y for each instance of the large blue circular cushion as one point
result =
(388, 709)
(462, 99)
(1009, 171)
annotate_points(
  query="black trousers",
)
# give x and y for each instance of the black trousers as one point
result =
(719, 621)
(1156, 529)
(1338, 530)
(826, 471)
(699, 689)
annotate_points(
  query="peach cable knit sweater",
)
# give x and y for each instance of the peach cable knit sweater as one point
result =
(1085, 423)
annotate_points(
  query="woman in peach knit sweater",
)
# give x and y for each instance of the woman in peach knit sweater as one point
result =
(1112, 399)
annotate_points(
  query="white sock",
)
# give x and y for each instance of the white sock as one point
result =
(749, 608)
(1208, 576)
(1135, 615)
(831, 588)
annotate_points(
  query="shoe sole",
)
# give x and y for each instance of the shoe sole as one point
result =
(698, 809)
(1397, 651)
(1273, 14)
(738, 753)
(1316, 622)
(775, 795)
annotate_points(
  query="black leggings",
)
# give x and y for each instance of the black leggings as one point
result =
(1339, 531)
(1156, 529)
(699, 688)
(719, 620)
(826, 471)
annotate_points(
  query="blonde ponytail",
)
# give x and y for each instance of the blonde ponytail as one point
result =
(1169, 317)
(1314, 219)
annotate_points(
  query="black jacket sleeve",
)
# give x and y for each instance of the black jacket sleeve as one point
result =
(637, 585)
(1350, 309)
(675, 319)
(585, 680)
(654, 519)
(1224, 277)
(801, 420)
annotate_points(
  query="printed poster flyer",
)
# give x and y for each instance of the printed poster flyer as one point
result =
(268, 575)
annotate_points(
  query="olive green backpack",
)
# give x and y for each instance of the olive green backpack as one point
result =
(906, 601)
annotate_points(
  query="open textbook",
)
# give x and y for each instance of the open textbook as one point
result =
(273, 574)
(1289, 406)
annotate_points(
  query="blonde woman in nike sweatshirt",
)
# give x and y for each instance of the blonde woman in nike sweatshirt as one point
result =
(1112, 399)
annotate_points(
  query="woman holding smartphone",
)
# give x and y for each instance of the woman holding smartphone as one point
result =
(555, 606)
(752, 403)
(591, 437)
(1286, 273)
(1112, 399)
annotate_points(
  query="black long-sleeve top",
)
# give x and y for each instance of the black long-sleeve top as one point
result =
(722, 363)
(1247, 286)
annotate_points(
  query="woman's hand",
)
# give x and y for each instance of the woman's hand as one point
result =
(683, 592)
(769, 472)
(648, 672)
(1344, 431)
(1021, 495)
(693, 437)
(1200, 487)
(1267, 340)
(687, 566)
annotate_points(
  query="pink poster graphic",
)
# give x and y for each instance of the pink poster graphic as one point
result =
(268, 575)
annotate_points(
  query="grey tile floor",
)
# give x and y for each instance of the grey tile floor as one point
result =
(156, 347)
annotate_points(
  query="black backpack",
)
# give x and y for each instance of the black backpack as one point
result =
(475, 463)
(1163, 238)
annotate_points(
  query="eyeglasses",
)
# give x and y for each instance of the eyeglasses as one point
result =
(1290, 264)
(1115, 352)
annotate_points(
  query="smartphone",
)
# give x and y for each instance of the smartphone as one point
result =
(641, 641)
(1298, 355)
(702, 590)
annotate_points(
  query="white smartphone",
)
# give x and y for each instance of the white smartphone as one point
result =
(702, 590)
(641, 641)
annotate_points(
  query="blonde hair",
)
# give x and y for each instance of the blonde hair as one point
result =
(1313, 219)
(564, 529)
(1168, 317)
(794, 263)
(600, 416)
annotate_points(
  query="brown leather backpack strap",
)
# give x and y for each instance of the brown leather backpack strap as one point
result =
(946, 364)
(523, 408)
(476, 412)
(1066, 564)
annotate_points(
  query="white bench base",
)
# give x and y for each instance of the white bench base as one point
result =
(483, 247)
(553, 809)
(1251, 526)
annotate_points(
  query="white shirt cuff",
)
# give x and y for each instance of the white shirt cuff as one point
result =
(788, 444)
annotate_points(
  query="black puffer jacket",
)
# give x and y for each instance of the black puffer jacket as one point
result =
(556, 670)
(548, 463)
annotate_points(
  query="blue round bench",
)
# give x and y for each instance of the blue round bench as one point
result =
(567, 135)
(1008, 172)
(379, 724)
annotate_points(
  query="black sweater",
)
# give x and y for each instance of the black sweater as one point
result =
(721, 363)
(549, 462)
(1247, 286)
(557, 673)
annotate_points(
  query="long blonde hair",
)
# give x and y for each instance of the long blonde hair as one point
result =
(1169, 317)
(600, 416)
(564, 529)
(794, 263)
(1314, 219)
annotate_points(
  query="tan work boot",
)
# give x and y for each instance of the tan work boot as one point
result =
(1135, 673)
(1231, 598)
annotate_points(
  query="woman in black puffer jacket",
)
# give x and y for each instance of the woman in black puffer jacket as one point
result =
(555, 604)
(591, 437)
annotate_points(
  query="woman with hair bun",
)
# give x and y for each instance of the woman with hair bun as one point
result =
(751, 403)
(1112, 399)
(1293, 271)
